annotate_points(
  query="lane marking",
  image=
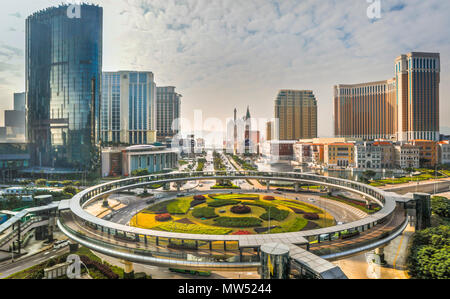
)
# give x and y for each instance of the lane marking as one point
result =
(398, 250)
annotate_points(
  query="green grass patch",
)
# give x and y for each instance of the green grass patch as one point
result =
(179, 206)
(294, 225)
(273, 213)
(204, 212)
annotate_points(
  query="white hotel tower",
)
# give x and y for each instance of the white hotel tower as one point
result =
(128, 108)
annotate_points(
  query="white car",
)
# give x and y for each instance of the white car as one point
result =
(311, 199)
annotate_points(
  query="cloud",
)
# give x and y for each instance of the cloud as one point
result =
(16, 15)
(234, 52)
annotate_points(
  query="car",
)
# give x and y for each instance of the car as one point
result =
(311, 199)
(149, 201)
(340, 223)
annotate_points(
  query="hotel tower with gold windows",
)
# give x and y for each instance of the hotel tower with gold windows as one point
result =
(403, 108)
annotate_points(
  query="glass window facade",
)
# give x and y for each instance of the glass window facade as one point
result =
(63, 83)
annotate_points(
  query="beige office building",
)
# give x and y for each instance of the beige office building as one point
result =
(296, 111)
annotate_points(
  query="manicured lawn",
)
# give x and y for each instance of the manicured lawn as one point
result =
(179, 206)
(204, 212)
(294, 225)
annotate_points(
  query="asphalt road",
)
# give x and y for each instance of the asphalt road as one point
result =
(7, 268)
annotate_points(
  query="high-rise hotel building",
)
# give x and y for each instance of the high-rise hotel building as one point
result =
(296, 111)
(418, 78)
(128, 108)
(168, 110)
(366, 111)
(403, 108)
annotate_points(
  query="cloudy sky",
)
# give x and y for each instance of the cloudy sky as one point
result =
(223, 54)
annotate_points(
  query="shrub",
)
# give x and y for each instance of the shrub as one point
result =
(238, 221)
(311, 216)
(222, 202)
(268, 197)
(199, 197)
(102, 268)
(163, 217)
(205, 212)
(240, 209)
(70, 190)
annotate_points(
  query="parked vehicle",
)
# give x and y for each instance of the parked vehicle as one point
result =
(61, 244)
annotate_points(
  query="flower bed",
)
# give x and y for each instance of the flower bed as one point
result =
(241, 232)
(311, 216)
(199, 197)
(102, 268)
(241, 209)
(268, 197)
(163, 217)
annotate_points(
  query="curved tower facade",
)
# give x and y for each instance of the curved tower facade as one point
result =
(63, 83)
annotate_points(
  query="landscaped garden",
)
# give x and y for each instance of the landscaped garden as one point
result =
(234, 214)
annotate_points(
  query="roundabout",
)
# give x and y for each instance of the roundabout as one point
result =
(221, 238)
(232, 214)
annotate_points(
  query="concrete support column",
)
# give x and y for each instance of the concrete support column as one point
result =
(166, 187)
(380, 253)
(128, 272)
(297, 187)
(268, 185)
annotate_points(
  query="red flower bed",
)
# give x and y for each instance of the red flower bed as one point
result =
(163, 217)
(240, 209)
(241, 232)
(311, 216)
(105, 270)
(268, 197)
(199, 197)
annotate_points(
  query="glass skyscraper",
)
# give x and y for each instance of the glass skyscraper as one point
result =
(169, 106)
(63, 84)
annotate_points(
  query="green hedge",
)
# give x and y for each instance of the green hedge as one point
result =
(222, 202)
(238, 221)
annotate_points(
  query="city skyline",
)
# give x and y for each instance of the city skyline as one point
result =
(247, 65)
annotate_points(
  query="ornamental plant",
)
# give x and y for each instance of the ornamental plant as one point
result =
(240, 209)
(163, 217)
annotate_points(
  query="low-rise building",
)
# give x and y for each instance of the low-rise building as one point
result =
(407, 156)
(428, 152)
(339, 154)
(279, 150)
(367, 155)
(444, 152)
(303, 152)
(387, 154)
(153, 158)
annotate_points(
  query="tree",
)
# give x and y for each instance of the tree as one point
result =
(369, 174)
(70, 190)
(41, 182)
(140, 172)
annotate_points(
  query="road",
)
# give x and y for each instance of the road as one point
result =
(8, 268)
